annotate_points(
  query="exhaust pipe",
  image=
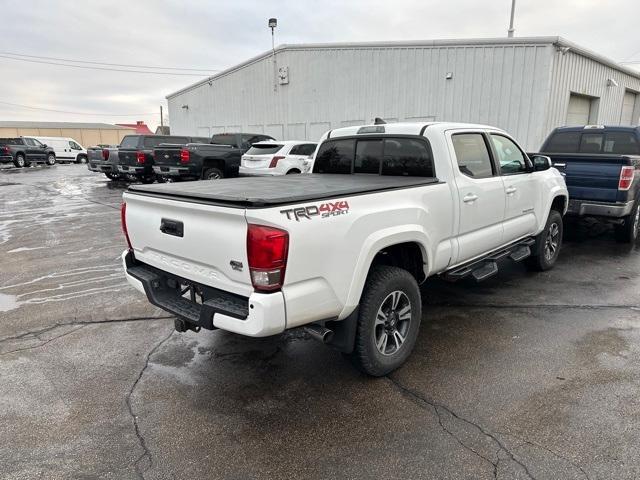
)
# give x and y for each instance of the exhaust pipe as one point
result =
(320, 333)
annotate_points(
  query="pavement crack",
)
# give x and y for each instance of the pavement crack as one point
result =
(146, 453)
(44, 342)
(546, 449)
(421, 400)
(40, 331)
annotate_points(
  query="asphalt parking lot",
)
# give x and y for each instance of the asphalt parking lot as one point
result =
(523, 376)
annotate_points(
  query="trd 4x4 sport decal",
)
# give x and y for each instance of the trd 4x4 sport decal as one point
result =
(324, 210)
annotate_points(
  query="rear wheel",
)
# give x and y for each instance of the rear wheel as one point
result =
(548, 242)
(51, 159)
(628, 231)
(112, 176)
(291, 172)
(213, 174)
(146, 179)
(19, 161)
(388, 321)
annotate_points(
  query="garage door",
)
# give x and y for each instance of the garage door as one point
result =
(579, 110)
(628, 106)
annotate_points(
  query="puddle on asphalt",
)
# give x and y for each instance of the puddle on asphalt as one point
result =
(8, 302)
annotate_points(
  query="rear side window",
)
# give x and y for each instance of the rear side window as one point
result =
(265, 149)
(303, 149)
(11, 141)
(130, 141)
(621, 143)
(224, 139)
(335, 156)
(407, 157)
(472, 155)
(563, 142)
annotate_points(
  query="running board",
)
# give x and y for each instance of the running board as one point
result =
(487, 267)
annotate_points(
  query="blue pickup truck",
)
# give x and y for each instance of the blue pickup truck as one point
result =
(601, 167)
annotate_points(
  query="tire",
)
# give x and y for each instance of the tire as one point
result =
(112, 176)
(51, 159)
(19, 161)
(147, 179)
(379, 322)
(161, 179)
(81, 159)
(628, 231)
(548, 243)
(212, 174)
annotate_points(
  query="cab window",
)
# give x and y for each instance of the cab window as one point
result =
(472, 155)
(511, 158)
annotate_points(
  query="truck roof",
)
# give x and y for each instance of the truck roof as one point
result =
(403, 128)
(596, 128)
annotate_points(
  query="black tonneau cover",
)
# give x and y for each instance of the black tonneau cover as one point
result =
(252, 192)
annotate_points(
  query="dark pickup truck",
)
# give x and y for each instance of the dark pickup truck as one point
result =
(104, 159)
(600, 165)
(213, 159)
(135, 154)
(23, 151)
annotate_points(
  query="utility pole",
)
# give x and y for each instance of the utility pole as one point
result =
(273, 23)
(513, 11)
(161, 117)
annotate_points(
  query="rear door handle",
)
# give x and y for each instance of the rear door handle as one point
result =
(470, 198)
(511, 190)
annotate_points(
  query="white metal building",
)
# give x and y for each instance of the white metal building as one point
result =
(525, 85)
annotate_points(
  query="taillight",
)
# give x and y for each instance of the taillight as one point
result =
(626, 178)
(140, 157)
(274, 161)
(123, 220)
(5, 151)
(267, 250)
(105, 154)
(184, 156)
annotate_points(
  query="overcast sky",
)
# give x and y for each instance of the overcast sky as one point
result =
(219, 34)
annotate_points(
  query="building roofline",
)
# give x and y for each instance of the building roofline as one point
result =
(548, 40)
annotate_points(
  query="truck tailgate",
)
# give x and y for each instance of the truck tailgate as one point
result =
(167, 156)
(197, 241)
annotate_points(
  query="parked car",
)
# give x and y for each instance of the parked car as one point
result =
(136, 157)
(217, 158)
(342, 251)
(104, 159)
(277, 158)
(23, 151)
(66, 149)
(600, 165)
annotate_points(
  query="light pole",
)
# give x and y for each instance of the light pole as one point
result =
(273, 23)
(513, 11)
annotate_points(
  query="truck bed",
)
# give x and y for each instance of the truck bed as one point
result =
(253, 192)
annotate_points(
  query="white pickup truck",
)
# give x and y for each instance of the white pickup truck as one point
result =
(342, 251)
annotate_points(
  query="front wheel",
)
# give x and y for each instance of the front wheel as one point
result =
(388, 321)
(213, 174)
(81, 159)
(548, 242)
(51, 159)
(628, 231)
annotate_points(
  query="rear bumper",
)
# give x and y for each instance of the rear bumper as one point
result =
(131, 170)
(6, 158)
(599, 209)
(258, 172)
(174, 171)
(93, 168)
(259, 315)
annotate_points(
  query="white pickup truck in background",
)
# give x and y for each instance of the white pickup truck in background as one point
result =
(343, 250)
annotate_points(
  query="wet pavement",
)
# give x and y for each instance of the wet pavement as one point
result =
(522, 376)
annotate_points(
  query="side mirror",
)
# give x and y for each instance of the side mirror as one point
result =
(44, 145)
(541, 163)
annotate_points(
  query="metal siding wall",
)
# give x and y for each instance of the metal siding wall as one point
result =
(576, 73)
(501, 85)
